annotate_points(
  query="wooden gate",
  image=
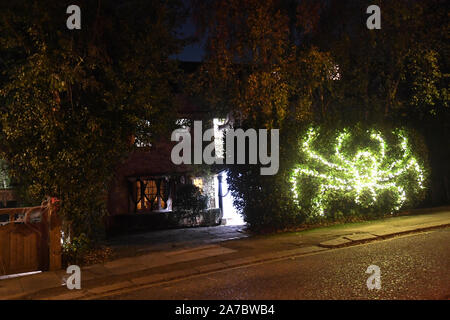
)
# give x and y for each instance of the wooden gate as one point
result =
(30, 239)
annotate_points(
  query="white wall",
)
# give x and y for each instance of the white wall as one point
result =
(229, 212)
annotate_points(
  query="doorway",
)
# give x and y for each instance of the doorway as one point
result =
(230, 214)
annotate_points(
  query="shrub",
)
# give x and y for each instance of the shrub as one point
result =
(82, 251)
(74, 251)
(188, 197)
(265, 201)
(358, 171)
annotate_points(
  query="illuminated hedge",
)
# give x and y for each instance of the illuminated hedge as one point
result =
(359, 173)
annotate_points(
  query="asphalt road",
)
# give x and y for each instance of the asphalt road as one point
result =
(412, 267)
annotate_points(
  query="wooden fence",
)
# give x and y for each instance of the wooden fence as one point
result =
(30, 239)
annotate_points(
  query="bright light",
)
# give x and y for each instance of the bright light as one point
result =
(360, 176)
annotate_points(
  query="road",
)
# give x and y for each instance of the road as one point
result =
(412, 267)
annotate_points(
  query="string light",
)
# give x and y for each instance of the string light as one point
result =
(367, 172)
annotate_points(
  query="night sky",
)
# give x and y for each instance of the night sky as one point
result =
(193, 52)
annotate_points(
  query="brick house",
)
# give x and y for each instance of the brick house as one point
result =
(145, 183)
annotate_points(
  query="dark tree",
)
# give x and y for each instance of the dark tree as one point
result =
(71, 100)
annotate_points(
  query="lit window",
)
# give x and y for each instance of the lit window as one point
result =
(152, 194)
(143, 135)
(198, 182)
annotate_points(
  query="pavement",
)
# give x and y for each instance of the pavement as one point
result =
(162, 256)
(173, 239)
(412, 266)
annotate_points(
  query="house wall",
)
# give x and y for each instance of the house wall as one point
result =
(209, 190)
(153, 162)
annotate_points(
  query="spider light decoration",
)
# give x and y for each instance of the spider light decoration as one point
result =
(360, 176)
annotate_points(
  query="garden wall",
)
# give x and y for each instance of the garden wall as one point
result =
(130, 223)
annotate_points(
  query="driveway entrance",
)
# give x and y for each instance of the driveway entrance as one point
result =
(163, 240)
